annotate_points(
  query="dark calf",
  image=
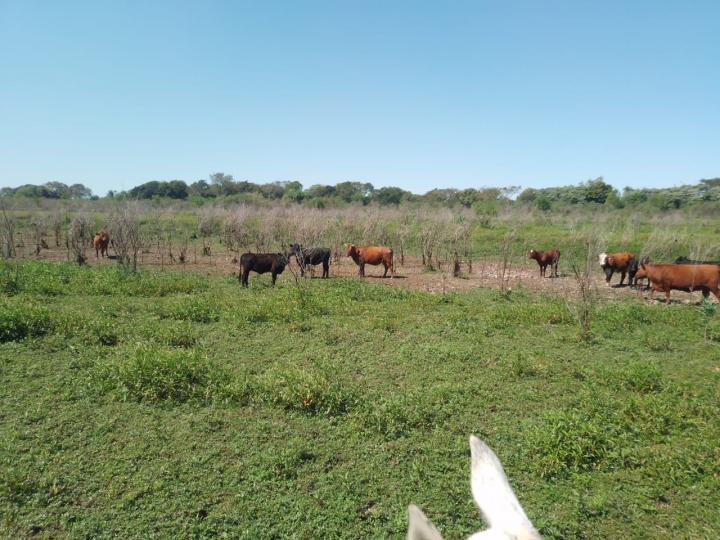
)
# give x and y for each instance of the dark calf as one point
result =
(262, 263)
(311, 256)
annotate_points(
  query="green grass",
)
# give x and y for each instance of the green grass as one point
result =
(177, 405)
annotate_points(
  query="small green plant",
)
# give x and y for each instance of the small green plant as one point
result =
(19, 321)
(306, 390)
(190, 308)
(152, 374)
(571, 441)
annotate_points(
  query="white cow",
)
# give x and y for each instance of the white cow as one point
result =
(494, 497)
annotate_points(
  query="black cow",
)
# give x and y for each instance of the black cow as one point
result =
(261, 263)
(685, 260)
(313, 256)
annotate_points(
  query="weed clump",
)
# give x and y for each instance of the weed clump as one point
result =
(152, 374)
(18, 322)
(569, 442)
(193, 309)
(306, 390)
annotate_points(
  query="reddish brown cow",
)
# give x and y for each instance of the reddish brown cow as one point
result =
(681, 277)
(374, 255)
(545, 258)
(100, 243)
(616, 262)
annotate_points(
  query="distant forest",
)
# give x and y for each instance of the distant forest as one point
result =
(224, 188)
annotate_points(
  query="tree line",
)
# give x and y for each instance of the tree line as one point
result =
(225, 188)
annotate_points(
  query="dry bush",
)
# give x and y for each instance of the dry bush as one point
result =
(506, 247)
(56, 222)
(39, 229)
(7, 232)
(124, 232)
(582, 268)
(79, 234)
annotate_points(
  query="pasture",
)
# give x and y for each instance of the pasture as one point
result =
(170, 403)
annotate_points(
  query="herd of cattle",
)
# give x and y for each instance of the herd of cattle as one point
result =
(683, 275)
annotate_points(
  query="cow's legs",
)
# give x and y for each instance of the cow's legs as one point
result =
(326, 268)
(244, 277)
(622, 276)
(361, 272)
(274, 277)
(386, 269)
(667, 295)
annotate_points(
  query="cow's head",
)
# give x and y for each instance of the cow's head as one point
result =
(493, 496)
(533, 254)
(349, 249)
(641, 271)
(602, 259)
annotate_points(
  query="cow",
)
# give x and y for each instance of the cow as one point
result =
(373, 255)
(262, 263)
(685, 260)
(545, 258)
(616, 262)
(100, 243)
(494, 497)
(312, 256)
(681, 277)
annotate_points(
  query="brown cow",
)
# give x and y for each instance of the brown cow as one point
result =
(681, 277)
(545, 258)
(616, 262)
(374, 255)
(100, 243)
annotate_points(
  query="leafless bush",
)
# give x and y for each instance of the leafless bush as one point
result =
(235, 235)
(506, 247)
(7, 229)
(124, 232)
(77, 240)
(56, 222)
(582, 267)
(39, 230)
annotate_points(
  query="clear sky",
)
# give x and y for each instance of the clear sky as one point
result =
(414, 94)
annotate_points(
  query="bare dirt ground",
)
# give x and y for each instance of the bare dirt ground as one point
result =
(413, 275)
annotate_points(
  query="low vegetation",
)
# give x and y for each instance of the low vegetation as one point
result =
(167, 403)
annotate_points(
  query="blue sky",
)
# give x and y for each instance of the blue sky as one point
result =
(414, 94)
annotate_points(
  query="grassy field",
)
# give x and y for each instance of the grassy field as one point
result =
(168, 404)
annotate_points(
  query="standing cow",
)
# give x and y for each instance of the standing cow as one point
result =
(681, 277)
(545, 258)
(373, 255)
(312, 256)
(262, 263)
(100, 243)
(617, 262)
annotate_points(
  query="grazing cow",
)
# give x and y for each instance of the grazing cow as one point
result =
(494, 497)
(261, 263)
(545, 258)
(100, 243)
(685, 260)
(616, 262)
(374, 255)
(681, 277)
(313, 256)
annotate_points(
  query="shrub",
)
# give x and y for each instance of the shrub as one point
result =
(152, 374)
(21, 321)
(305, 390)
(194, 309)
(571, 441)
